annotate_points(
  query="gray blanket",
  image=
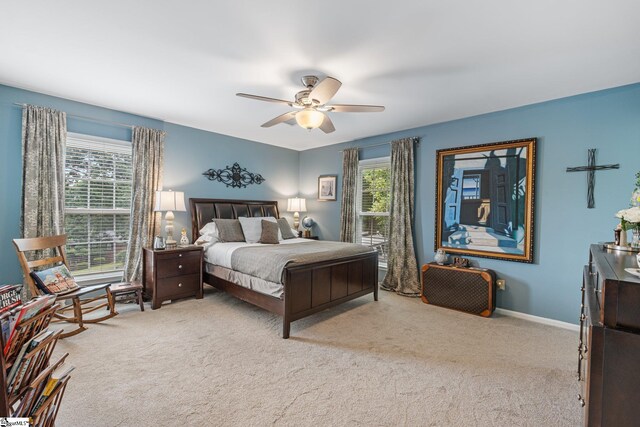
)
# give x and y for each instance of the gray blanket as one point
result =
(268, 262)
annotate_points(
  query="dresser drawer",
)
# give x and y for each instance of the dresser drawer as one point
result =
(171, 265)
(176, 287)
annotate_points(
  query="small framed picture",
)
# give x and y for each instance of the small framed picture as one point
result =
(327, 187)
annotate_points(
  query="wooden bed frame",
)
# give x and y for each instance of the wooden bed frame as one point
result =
(308, 288)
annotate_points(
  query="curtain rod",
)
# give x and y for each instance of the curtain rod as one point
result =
(415, 140)
(90, 119)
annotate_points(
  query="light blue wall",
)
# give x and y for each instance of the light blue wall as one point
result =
(607, 120)
(188, 153)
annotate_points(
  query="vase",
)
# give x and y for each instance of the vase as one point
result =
(635, 240)
(623, 237)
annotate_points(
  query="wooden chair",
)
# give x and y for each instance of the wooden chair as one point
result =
(80, 303)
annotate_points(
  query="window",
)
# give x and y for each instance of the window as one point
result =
(98, 174)
(471, 187)
(373, 204)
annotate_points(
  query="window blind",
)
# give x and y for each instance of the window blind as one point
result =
(98, 184)
(373, 205)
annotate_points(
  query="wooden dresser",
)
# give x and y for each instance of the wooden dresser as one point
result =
(172, 273)
(609, 347)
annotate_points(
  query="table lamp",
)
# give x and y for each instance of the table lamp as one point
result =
(169, 201)
(296, 205)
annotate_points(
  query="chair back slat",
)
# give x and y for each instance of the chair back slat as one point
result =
(38, 243)
(45, 261)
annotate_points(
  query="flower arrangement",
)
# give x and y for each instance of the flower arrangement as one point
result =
(629, 218)
(635, 196)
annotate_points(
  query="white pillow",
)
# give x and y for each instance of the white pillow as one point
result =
(206, 241)
(252, 228)
(209, 229)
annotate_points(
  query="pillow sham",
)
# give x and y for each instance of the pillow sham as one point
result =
(252, 227)
(229, 230)
(285, 229)
(269, 233)
(55, 280)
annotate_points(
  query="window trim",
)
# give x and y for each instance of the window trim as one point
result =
(362, 165)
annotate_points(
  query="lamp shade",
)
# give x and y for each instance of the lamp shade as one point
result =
(297, 204)
(309, 118)
(169, 201)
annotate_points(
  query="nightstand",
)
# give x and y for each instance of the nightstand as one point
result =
(171, 274)
(311, 237)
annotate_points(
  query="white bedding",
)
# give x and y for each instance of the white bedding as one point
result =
(220, 253)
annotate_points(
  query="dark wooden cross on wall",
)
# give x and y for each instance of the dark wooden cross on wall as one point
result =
(591, 169)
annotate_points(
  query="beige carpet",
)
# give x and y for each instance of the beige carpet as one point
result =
(221, 362)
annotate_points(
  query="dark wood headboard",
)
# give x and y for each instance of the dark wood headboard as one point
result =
(204, 210)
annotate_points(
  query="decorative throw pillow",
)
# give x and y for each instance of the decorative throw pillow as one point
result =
(55, 280)
(269, 232)
(229, 230)
(252, 227)
(285, 229)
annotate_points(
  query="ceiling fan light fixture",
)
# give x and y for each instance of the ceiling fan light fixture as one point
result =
(309, 118)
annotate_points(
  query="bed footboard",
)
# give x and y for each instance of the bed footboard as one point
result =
(314, 287)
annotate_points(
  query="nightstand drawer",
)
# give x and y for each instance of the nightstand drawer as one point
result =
(176, 287)
(173, 265)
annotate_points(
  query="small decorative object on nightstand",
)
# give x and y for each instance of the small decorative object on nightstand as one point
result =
(307, 224)
(184, 240)
(172, 274)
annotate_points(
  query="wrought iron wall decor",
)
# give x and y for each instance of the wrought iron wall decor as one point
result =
(234, 176)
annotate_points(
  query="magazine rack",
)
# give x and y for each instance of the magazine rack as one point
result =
(19, 399)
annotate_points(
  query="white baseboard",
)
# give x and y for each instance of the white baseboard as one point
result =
(538, 319)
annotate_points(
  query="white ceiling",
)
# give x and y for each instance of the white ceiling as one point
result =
(426, 61)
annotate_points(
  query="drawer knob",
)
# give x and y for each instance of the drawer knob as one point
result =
(180, 255)
(179, 285)
(581, 400)
(180, 266)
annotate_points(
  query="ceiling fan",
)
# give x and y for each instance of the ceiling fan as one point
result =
(311, 105)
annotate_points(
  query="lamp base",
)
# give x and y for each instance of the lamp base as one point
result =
(296, 220)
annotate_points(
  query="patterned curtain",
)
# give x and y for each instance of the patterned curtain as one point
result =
(402, 267)
(349, 192)
(148, 153)
(44, 133)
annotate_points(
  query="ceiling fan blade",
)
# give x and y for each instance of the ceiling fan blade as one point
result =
(325, 90)
(264, 98)
(346, 108)
(327, 125)
(281, 118)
